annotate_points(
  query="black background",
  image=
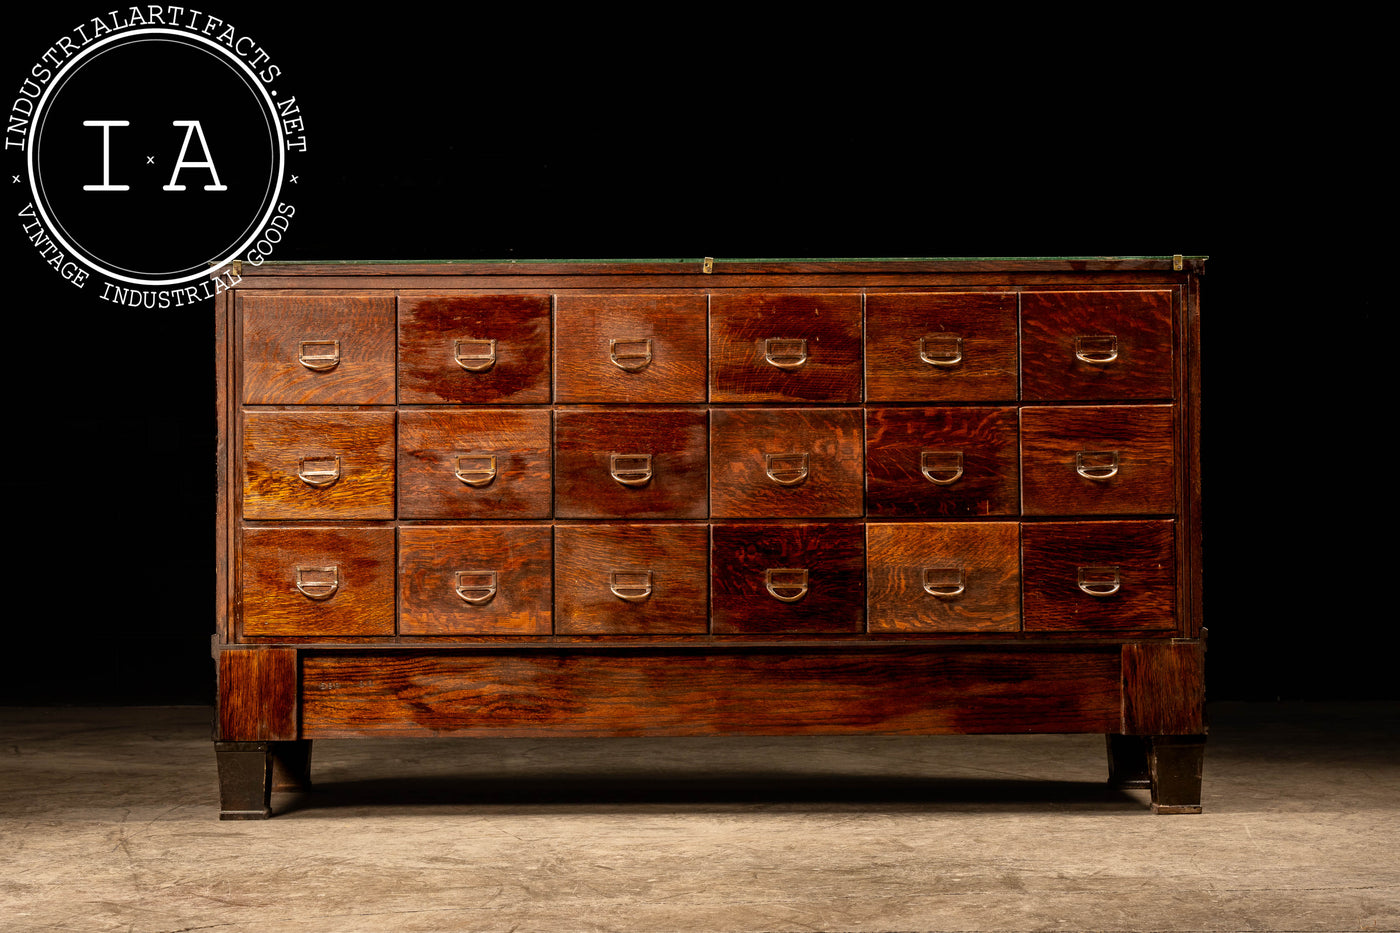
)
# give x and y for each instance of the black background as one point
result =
(523, 133)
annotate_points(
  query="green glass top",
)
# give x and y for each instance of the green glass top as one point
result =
(718, 260)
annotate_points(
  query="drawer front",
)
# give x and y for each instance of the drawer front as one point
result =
(318, 349)
(474, 349)
(632, 579)
(311, 582)
(629, 457)
(318, 464)
(1096, 345)
(477, 580)
(807, 578)
(944, 577)
(786, 463)
(480, 464)
(1098, 460)
(785, 348)
(1088, 577)
(630, 348)
(940, 346)
(630, 464)
(941, 462)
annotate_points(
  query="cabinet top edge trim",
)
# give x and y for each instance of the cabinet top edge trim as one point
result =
(555, 267)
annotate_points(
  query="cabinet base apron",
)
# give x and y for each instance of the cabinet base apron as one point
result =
(769, 691)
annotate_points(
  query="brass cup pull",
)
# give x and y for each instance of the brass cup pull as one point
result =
(318, 471)
(1099, 581)
(785, 353)
(630, 355)
(1096, 464)
(476, 470)
(318, 582)
(786, 469)
(475, 356)
(786, 584)
(944, 581)
(631, 469)
(319, 355)
(476, 586)
(941, 467)
(1097, 349)
(631, 585)
(941, 350)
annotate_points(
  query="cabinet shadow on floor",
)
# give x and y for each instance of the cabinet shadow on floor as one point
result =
(891, 775)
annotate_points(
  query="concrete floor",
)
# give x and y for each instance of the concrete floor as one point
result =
(108, 821)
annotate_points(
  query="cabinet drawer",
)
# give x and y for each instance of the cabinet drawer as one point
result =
(477, 580)
(630, 464)
(785, 348)
(318, 464)
(1096, 345)
(944, 577)
(788, 463)
(937, 346)
(318, 581)
(941, 461)
(485, 463)
(632, 579)
(318, 349)
(1099, 576)
(1097, 460)
(474, 349)
(788, 578)
(630, 348)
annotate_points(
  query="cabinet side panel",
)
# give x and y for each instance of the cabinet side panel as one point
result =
(1191, 513)
(223, 379)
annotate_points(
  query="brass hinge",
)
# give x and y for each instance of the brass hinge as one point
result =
(1178, 262)
(709, 265)
(235, 266)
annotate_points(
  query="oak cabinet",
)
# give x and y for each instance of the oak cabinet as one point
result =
(685, 498)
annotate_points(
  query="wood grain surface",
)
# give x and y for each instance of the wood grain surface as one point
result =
(363, 603)
(676, 556)
(275, 444)
(895, 439)
(741, 439)
(1141, 437)
(274, 327)
(432, 441)
(988, 555)
(430, 326)
(1141, 321)
(832, 554)
(1164, 688)
(675, 325)
(1143, 551)
(792, 692)
(257, 695)
(740, 324)
(430, 557)
(675, 439)
(896, 322)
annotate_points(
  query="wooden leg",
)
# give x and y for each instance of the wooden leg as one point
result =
(1175, 765)
(291, 765)
(245, 780)
(1128, 760)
